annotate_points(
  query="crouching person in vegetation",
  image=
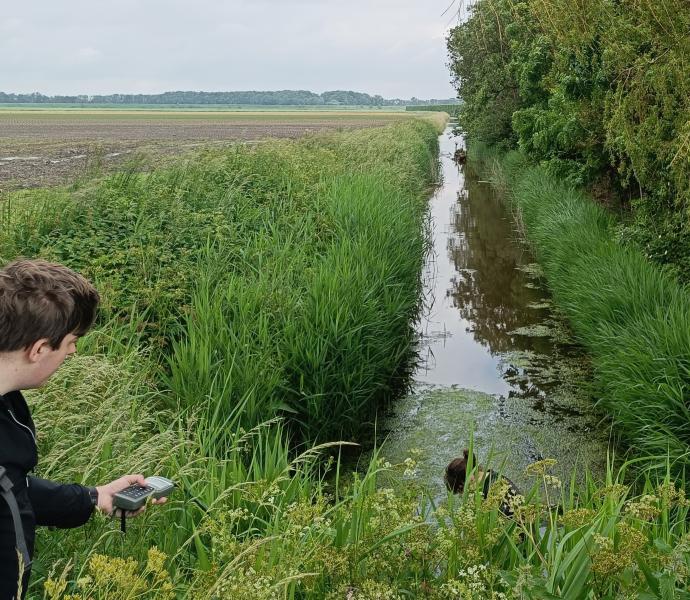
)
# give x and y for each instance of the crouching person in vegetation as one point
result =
(44, 309)
(456, 477)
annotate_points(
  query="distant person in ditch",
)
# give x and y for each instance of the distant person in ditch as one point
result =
(44, 309)
(456, 476)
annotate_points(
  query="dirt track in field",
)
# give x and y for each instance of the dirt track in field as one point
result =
(45, 148)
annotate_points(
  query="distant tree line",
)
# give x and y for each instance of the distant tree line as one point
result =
(281, 97)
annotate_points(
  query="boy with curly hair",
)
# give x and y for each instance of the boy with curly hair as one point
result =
(44, 309)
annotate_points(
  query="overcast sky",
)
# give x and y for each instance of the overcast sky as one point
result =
(395, 48)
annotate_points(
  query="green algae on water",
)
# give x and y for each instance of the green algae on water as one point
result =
(509, 433)
(538, 330)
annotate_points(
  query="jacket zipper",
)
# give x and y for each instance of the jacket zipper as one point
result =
(33, 437)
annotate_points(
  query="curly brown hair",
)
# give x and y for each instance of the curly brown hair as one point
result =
(456, 472)
(43, 300)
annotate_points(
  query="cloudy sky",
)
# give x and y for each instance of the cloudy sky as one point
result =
(395, 48)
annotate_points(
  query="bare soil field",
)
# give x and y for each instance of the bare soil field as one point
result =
(49, 147)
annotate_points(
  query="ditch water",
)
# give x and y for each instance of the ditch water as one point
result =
(496, 359)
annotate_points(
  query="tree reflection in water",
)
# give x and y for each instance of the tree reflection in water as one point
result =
(498, 290)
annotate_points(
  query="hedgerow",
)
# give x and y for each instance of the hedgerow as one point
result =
(598, 93)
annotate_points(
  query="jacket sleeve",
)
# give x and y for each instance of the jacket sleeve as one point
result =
(59, 505)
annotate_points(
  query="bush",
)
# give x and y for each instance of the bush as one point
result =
(598, 93)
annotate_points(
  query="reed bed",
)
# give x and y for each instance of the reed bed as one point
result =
(283, 277)
(257, 301)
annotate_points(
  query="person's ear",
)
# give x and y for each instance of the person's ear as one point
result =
(38, 350)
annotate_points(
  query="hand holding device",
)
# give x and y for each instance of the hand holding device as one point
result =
(134, 497)
(106, 494)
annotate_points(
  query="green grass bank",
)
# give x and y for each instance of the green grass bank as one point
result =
(253, 299)
(275, 280)
(632, 315)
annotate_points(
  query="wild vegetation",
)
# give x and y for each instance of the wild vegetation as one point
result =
(564, 101)
(598, 92)
(224, 267)
(258, 301)
(258, 524)
(252, 298)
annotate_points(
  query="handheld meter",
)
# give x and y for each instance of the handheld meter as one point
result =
(135, 496)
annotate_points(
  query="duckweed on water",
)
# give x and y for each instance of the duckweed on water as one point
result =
(509, 432)
(538, 330)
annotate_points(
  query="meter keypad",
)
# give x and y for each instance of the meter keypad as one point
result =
(134, 497)
(137, 491)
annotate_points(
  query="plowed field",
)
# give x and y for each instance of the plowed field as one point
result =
(48, 147)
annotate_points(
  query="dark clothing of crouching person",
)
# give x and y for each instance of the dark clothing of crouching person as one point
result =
(44, 309)
(39, 502)
(456, 476)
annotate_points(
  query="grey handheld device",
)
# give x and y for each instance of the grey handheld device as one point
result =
(135, 496)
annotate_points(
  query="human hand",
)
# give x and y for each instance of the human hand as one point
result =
(106, 493)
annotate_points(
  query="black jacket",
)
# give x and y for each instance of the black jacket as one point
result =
(506, 506)
(41, 502)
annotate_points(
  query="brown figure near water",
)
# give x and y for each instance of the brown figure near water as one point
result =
(460, 156)
(456, 472)
(456, 476)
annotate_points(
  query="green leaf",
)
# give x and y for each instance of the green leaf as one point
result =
(204, 562)
(652, 581)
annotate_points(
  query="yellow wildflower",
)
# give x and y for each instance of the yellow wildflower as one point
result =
(552, 481)
(670, 495)
(609, 558)
(615, 491)
(539, 468)
(156, 563)
(578, 517)
(55, 588)
(646, 508)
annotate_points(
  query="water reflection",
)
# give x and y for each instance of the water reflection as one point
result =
(489, 289)
(496, 359)
(491, 327)
(498, 289)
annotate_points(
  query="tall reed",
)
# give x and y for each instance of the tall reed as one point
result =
(249, 295)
